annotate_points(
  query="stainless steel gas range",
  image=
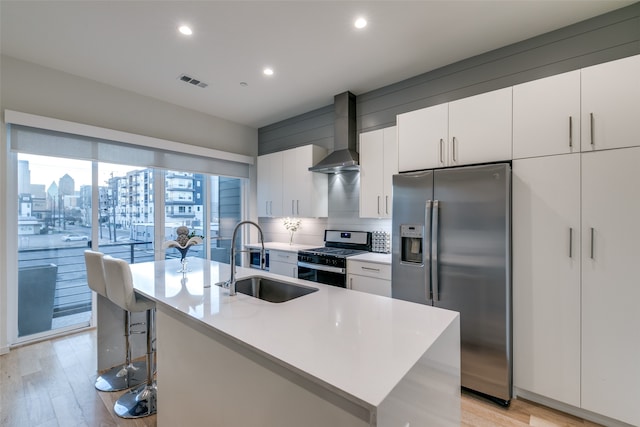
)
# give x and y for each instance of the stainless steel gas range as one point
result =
(328, 264)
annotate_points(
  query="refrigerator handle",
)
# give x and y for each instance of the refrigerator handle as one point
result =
(434, 252)
(425, 249)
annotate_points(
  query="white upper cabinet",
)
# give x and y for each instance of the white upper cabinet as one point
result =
(378, 164)
(546, 116)
(480, 128)
(304, 193)
(467, 131)
(546, 276)
(423, 138)
(611, 104)
(610, 283)
(270, 184)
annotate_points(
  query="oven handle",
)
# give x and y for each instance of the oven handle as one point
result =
(322, 267)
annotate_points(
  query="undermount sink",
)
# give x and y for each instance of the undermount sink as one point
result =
(271, 290)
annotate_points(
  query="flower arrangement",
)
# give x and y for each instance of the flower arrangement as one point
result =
(292, 225)
(183, 242)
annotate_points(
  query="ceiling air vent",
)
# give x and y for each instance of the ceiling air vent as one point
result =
(191, 80)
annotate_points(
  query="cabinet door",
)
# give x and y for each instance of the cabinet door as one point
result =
(263, 190)
(292, 186)
(480, 128)
(610, 283)
(610, 104)
(284, 263)
(371, 174)
(305, 194)
(422, 138)
(546, 116)
(546, 276)
(389, 167)
(369, 285)
(270, 184)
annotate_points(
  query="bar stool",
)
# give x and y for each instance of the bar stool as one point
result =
(130, 374)
(141, 401)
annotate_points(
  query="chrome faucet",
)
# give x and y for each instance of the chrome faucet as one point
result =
(231, 283)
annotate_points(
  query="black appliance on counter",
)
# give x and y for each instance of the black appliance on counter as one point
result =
(328, 264)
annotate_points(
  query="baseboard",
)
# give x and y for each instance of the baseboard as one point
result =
(569, 409)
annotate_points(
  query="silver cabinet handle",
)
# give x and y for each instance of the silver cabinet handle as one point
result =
(570, 242)
(453, 149)
(434, 251)
(292, 213)
(271, 207)
(591, 128)
(570, 131)
(378, 205)
(441, 150)
(370, 269)
(297, 207)
(386, 204)
(592, 238)
(266, 207)
(350, 282)
(425, 250)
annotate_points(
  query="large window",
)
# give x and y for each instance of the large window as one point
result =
(72, 193)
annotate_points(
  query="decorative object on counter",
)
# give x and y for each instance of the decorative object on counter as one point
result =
(381, 242)
(292, 225)
(182, 243)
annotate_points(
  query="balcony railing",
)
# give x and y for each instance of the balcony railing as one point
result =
(72, 294)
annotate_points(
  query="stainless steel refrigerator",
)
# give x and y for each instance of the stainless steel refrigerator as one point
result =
(451, 248)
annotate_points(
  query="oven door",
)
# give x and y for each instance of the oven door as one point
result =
(334, 276)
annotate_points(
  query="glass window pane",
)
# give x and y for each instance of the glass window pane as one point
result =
(54, 228)
(183, 208)
(226, 212)
(125, 219)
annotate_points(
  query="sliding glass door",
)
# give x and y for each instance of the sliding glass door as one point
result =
(54, 228)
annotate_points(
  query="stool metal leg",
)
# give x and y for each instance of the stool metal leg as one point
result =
(141, 401)
(126, 376)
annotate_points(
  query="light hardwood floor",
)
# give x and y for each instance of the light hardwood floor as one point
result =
(50, 384)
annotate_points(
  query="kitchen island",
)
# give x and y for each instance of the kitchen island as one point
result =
(334, 357)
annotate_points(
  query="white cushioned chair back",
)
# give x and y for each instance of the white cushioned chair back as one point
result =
(95, 272)
(120, 283)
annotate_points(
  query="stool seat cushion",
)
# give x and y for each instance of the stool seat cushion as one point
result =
(120, 286)
(95, 272)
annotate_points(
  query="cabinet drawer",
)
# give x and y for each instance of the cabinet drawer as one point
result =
(283, 256)
(369, 269)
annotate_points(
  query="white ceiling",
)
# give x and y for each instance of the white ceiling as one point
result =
(312, 45)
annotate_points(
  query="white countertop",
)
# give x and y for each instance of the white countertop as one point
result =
(378, 258)
(358, 343)
(280, 246)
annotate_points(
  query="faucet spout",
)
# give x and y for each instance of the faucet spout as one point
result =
(232, 280)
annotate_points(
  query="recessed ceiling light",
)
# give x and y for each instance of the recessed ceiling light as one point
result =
(268, 71)
(244, 84)
(360, 23)
(186, 30)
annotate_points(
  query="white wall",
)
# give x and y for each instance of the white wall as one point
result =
(33, 89)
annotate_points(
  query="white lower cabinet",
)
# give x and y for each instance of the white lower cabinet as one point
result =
(576, 339)
(284, 263)
(369, 277)
(546, 276)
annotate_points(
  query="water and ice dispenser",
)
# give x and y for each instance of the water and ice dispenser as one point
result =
(412, 236)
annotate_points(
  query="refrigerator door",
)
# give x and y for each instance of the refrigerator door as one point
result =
(472, 242)
(411, 236)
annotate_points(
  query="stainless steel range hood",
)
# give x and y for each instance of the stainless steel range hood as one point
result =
(344, 156)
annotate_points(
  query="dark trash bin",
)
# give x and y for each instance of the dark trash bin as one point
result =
(36, 289)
